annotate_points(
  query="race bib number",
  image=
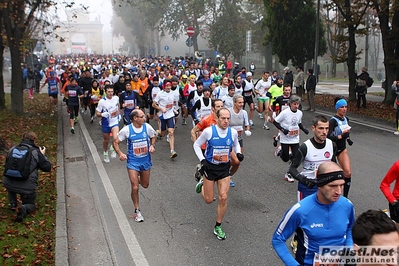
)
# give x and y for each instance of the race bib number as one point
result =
(129, 104)
(86, 93)
(284, 107)
(115, 113)
(248, 93)
(220, 156)
(344, 127)
(169, 106)
(53, 88)
(72, 93)
(239, 129)
(317, 261)
(293, 131)
(140, 149)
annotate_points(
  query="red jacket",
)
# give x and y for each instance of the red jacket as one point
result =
(391, 176)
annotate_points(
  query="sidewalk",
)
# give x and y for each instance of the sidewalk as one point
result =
(80, 236)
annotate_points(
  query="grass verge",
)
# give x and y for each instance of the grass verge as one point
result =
(375, 110)
(33, 241)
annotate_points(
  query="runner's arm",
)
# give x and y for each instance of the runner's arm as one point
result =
(297, 160)
(285, 229)
(206, 134)
(196, 106)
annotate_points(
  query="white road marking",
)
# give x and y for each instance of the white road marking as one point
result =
(127, 232)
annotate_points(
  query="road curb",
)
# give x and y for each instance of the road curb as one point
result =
(61, 235)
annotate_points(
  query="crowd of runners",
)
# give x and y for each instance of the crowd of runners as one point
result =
(209, 97)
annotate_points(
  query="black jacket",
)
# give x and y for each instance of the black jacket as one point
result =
(311, 83)
(39, 161)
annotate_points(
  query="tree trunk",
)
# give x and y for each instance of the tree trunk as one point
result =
(17, 100)
(333, 69)
(268, 57)
(351, 62)
(389, 45)
(2, 96)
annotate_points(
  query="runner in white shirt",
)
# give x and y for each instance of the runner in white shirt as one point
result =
(228, 99)
(261, 88)
(289, 121)
(238, 121)
(247, 93)
(202, 107)
(166, 102)
(108, 109)
(221, 90)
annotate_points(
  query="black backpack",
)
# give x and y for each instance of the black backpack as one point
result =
(18, 162)
(369, 82)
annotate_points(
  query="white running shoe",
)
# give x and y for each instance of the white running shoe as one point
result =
(288, 178)
(113, 152)
(396, 133)
(266, 127)
(251, 123)
(106, 158)
(138, 217)
(260, 116)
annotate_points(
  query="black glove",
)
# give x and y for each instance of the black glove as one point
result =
(285, 131)
(305, 131)
(394, 209)
(309, 183)
(240, 157)
(204, 167)
(345, 135)
(350, 142)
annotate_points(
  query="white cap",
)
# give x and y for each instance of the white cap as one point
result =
(217, 55)
(286, 68)
(236, 63)
(249, 74)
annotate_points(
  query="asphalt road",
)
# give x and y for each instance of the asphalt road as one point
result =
(178, 226)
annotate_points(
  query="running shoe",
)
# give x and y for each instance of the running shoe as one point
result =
(173, 154)
(106, 158)
(21, 213)
(158, 134)
(184, 122)
(289, 178)
(232, 184)
(260, 116)
(265, 126)
(294, 245)
(82, 110)
(72, 130)
(13, 206)
(138, 217)
(219, 232)
(199, 185)
(113, 152)
(91, 119)
(197, 174)
(99, 122)
(277, 152)
(76, 119)
(251, 123)
(275, 141)
(396, 133)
